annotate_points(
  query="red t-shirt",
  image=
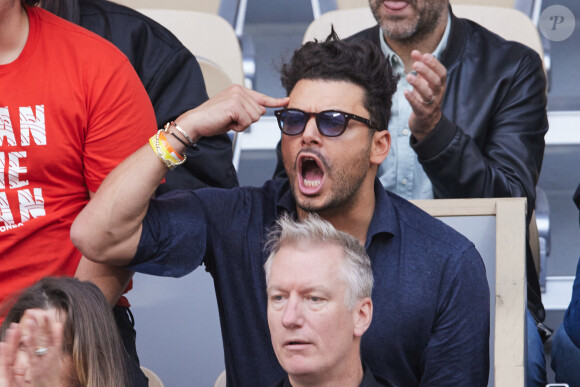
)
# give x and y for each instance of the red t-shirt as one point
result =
(71, 109)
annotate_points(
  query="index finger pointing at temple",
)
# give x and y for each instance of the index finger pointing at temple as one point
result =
(268, 101)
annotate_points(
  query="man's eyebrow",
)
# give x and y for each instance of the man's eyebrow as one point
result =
(313, 288)
(270, 288)
(318, 288)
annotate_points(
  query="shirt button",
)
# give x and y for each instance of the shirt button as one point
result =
(404, 181)
(405, 132)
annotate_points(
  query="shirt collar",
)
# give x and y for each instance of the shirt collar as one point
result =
(285, 202)
(369, 380)
(384, 217)
(395, 60)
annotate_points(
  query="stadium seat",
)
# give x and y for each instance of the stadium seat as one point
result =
(202, 33)
(505, 262)
(221, 380)
(232, 11)
(154, 380)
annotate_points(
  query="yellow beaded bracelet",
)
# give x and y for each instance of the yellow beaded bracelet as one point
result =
(168, 156)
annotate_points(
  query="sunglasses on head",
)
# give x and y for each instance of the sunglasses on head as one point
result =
(330, 123)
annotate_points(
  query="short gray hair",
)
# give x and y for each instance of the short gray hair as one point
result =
(355, 269)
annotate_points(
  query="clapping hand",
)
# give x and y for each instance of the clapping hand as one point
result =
(31, 352)
(428, 79)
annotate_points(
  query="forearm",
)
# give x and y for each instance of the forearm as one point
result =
(507, 165)
(112, 280)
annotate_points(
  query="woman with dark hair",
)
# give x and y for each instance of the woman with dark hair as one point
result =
(61, 332)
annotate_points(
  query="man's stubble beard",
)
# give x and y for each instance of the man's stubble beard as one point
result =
(344, 187)
(424, 23)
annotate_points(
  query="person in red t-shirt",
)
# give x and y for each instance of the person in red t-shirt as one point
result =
(71, 109)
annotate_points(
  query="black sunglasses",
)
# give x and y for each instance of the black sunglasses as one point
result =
(330, 123)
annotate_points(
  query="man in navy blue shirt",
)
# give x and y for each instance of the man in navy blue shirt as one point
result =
(431, 300)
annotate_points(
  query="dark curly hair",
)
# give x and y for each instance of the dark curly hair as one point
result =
(30, 3)
(357, 61)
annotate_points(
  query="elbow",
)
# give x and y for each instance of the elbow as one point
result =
(102, 245)
(87, 242)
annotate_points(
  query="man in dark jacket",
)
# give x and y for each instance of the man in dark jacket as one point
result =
(468, 118)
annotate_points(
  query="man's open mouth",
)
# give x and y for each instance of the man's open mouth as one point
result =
(311, 174)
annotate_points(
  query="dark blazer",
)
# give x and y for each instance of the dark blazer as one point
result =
(173, 80)
(490, 140)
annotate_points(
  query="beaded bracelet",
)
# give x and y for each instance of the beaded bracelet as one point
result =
(165, 152)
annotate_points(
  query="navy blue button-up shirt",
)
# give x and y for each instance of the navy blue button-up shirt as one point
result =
(431, 299)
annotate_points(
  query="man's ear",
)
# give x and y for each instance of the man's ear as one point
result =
(362, 314)
(380, 146)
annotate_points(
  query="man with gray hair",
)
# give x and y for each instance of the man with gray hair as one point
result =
(319, 283)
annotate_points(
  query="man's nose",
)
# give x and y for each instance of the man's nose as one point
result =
(311, 135)
(293, 316)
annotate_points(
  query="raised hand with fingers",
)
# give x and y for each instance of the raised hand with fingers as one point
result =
(31, 352)
(42, 338)
(428, 79)
(8, 353)
(235, 108)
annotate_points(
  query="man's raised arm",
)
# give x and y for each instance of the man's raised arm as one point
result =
(108, 229)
